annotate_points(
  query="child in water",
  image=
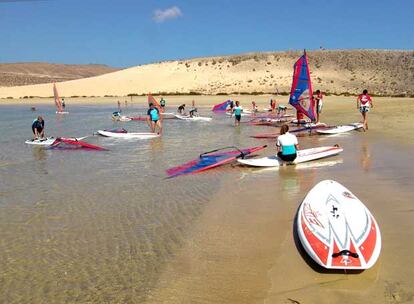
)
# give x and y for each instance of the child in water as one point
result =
(237, 110)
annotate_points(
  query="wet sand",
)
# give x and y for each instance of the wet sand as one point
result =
(80, 227)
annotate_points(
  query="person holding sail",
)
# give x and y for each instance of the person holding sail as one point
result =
(287, 145)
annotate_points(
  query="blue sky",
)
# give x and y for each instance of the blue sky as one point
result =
(129, 32)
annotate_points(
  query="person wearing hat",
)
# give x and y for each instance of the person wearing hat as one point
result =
(153, 118)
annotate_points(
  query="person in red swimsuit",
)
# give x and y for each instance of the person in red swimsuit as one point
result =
(364, 103)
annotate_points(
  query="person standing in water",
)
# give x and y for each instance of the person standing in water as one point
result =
(318, 104)
(153, 118)
(254, 107)
(38, 128)
(273, 105)
(119, 106)
(237, 110)
(287, 145)
(162, 103)
(364, 103)
(193, 109)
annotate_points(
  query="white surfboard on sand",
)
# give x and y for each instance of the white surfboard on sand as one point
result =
(302, 156)
(336, 229)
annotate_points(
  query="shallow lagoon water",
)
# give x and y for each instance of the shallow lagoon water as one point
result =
(90, 226)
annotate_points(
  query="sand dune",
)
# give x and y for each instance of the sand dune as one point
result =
(382, 72)
(27, 73)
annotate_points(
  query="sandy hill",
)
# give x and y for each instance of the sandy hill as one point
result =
(382, 72)
(26, 73)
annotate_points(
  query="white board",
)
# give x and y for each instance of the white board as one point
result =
(49, 140)
(128, 135)
(41, 142)
(341, 129)
(336, 229)
(302, 156)
(242, 114)
(193, 118)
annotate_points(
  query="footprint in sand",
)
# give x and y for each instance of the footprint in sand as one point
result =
(396, 293)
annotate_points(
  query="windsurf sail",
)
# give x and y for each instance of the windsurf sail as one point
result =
(151, 99)
(222, 107)
(58, 102)
(61, 142)
(211, 159)
(301, 94)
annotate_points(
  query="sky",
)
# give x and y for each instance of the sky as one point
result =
(124, 33)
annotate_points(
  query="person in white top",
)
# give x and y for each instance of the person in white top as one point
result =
(287, 145)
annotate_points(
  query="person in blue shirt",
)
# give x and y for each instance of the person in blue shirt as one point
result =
(237, 110)
(154, 118)
(38, 128)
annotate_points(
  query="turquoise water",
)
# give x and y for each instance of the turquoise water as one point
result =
(92, 226)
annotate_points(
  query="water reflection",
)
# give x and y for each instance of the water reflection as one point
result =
(365, 156)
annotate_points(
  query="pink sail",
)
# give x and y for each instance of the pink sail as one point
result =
(58, 102)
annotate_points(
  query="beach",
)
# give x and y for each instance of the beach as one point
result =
(108, 227)
(340, 72)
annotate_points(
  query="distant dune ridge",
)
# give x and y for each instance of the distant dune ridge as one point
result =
(382, 72)
(27, 73)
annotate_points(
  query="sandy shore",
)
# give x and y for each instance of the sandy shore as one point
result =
(382, 72)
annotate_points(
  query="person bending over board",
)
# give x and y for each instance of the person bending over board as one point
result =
(237, 110)
(181, 109)
(154, 118)
(364, 103)
(281, 109)
(287, 145)
(319, 104)
(38, 128)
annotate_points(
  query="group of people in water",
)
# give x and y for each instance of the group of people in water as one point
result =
(287, 143)
(192, 112)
